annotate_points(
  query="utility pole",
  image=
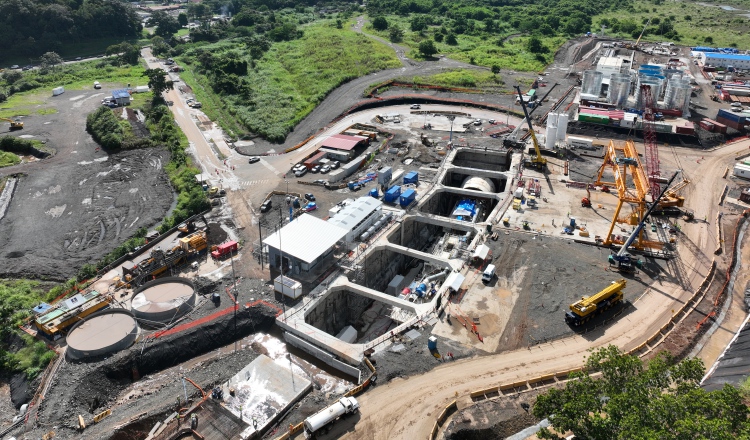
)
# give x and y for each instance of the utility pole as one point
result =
(236, 302)
(451, 118)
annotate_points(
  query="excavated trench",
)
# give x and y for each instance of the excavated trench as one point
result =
(444, 202)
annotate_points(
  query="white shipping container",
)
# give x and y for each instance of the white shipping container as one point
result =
(287, 286)
(577, 142)
(742, 171)
(58, 91)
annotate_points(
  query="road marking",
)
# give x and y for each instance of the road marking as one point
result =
(254, 182)
(270, 167)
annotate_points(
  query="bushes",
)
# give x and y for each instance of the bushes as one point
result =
(25, 146)
(105, 128)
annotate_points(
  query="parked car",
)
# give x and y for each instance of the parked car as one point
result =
(416, 106)
(325, 169)
(315, 169)
(196, 104)
(298, 167)
(310, 197)
(312, 206)
(492, 121)
(321, 181)
(335, 164)
(478, 122)
(97, 85)
(300, 173)
(253, 159)
(29, 67)
(78, 58)
(266, 206)
(15, 66)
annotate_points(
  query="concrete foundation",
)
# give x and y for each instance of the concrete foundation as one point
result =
(164, 300)
(455, 177)
(442, 202)
(443, 238)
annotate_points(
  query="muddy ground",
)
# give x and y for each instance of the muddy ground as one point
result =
(76, 206)
(493, 419)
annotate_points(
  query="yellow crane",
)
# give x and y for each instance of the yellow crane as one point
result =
(14, 124)
(588, 306)
(538, 161)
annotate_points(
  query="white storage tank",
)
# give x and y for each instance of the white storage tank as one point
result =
(592, 82)
(562, 126)
(551, 137)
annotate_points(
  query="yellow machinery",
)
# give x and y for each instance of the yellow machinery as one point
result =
(539, 162)
(671, 197)
(583, 310)
(195, 242)
(623, 159)
(14, 125)
(56, 321)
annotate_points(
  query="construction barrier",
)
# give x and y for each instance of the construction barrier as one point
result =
(102, 415)
(719, 246)
(483, 392)
(441, 418)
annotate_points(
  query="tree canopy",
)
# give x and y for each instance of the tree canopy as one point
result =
(661, 400)
(32, 27)
(157, 81)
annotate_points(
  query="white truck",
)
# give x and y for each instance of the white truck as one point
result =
(344, 407)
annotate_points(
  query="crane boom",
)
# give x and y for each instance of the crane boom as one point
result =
(642, 32)
(638, 228)
(539, 161)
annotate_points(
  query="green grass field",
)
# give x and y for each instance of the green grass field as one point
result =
(461, 78)
(501, 50)
(292, 78)
(7, 159)
(693, 22)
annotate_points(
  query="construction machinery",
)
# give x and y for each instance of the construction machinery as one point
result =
(622, 260)
(539, 162)
(582, 311)
(635, 46)
(14, 124)
(586, 201)
(160, 260)
(649, 140)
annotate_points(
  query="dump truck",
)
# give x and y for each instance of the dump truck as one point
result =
(583, 310)
(344, 407)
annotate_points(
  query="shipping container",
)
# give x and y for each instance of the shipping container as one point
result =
(739, 126)
(287, 286)
(729, 115)
(385, 175)
(392, 195)
(58, 91)
(408, 197)
(671, 112)
(706, 125)
(741, 170)
(685, 130)
(411, 177)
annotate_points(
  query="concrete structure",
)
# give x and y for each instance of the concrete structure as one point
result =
(609, 65)
(358, 216)
(263, 391)
(619, 89)
(163, 300)
(677, 95)
(591, 85)
(102, 333)
(304, 243)
(726, 59)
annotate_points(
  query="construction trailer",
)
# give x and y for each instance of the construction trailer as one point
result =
(587, 307)
(55, 321)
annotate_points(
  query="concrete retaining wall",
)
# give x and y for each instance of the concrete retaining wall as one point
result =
(322, 355)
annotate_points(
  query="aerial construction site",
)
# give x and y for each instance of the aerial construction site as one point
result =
(433, 253)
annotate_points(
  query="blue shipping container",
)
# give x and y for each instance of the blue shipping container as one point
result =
(411, 177)
(408, 197)
(730, 115)
(374, 193)
(391, 196)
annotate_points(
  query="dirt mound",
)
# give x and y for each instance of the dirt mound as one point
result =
(499, 418)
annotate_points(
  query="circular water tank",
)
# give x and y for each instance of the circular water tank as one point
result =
(477, 183)
(164, 300)
(551, 137)
(104, 332)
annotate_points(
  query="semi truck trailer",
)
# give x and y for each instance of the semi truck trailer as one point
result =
(344, 407)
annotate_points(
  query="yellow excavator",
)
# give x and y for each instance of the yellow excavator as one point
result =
(14, 125)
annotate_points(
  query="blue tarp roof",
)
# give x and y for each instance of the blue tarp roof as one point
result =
(41, 308)
(728, 56)
(121, 93)
(466, 207)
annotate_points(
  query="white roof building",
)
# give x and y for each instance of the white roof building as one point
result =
(357, 216)
(305, 242)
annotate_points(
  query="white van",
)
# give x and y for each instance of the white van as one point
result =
(488, 274)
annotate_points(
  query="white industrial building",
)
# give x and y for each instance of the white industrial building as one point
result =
(357, 216)
(727, 59)
(304, 243)
(610, 65)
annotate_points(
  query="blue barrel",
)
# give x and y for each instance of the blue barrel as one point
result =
(432, 343)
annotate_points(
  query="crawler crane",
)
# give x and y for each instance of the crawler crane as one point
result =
(539, 162)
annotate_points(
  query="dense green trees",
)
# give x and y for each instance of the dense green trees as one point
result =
(32, 27)
(661, 400)
(105, 128)
(427, 48)
(158, 82)
(166, 25)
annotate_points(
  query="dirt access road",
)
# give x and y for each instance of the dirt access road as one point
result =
(386, 411)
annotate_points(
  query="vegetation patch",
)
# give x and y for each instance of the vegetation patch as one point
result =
(46, 111)
(271, 94)
(30, 147)
(7, 159)
(461, 78)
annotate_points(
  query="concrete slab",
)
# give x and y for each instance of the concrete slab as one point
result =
(264, 389)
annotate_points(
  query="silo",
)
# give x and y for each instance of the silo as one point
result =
(551, 137)
(562, 126)
(619, 89)
(656, 84)
(551, 119)
(592, 82)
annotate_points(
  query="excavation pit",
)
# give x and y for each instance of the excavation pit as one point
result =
(462, 205)
(438, 237)
(489, 183)
(483, 160)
